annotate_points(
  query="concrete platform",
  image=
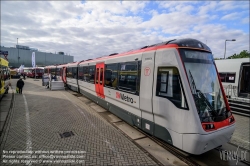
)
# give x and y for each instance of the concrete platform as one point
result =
(160, 153)
(129, 130)
(98, 108)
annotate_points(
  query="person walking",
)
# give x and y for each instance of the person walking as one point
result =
(20, 85)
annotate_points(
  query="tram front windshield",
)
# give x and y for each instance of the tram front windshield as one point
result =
(204, 84)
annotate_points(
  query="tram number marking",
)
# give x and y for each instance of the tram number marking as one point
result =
(147, 71)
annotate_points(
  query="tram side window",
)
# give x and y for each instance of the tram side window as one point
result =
(80, 73)
(223, 77)
(111, 75)
(53, 71)
(227, 77)
(230, 77)
(169, 86)
(61, 71)
(92, 74)
(58, 71)
(127, 76)
(74, 72)
(69, 72)
(6, 73)
(86, 74)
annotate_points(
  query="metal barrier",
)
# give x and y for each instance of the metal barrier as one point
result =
(231, 91)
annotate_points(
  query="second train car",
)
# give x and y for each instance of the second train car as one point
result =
(235, 76)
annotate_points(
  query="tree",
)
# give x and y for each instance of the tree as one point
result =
(243, 54)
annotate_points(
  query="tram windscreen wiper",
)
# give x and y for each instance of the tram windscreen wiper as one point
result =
(204, 99)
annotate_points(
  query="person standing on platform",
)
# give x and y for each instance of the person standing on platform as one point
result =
(20, 85)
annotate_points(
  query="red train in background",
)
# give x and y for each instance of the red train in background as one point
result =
(34, 72)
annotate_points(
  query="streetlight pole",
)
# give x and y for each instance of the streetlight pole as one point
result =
(225, 46)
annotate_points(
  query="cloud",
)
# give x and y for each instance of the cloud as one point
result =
(92, 29)
(207, 7)
(232, 5)
(245, 20)
(231, 16)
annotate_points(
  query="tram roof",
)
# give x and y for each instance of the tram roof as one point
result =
(175, 43)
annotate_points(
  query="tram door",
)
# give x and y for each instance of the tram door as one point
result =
(99, 80)
(244, 83)
(64, 74)
(146, 91)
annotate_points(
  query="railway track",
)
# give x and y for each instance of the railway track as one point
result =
(180, 154)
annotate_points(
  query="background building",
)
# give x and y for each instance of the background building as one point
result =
(21, 55)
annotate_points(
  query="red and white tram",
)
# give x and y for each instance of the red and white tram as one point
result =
(61, 72)
(171, 90)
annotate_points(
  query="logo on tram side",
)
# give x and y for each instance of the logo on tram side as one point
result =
(124, 97)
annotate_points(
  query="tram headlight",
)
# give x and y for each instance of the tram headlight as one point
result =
(229, 113)
(209, 126)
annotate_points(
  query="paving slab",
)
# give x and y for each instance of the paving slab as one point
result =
(98, 108)
(84, 99)
(159, 153)
(5, 104)
(1, 125)
(4, 107)
(114, 118)
(128, 130)
(110, 117)
(3, 116)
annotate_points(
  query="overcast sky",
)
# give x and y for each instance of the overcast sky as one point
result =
(90, 29)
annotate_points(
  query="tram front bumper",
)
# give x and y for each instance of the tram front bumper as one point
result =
(201, 143)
